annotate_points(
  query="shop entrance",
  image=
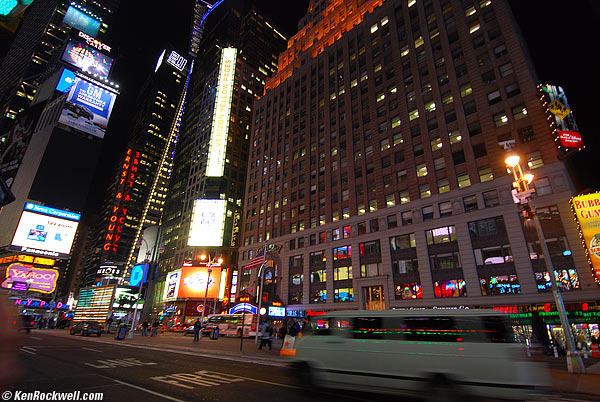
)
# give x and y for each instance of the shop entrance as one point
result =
(374, 298)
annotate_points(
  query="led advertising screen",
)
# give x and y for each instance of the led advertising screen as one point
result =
(45, 231)
(87, 59)
(587, 210)
(66, 81)
(193, 282)
(94, 304)
(88, 108)
(172, 285)
(137, 273)
(40, 279)
(208, 223)
(80, 20)
(221, 115)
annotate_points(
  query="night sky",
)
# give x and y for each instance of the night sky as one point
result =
(556, 33)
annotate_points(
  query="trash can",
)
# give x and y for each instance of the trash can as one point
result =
(121, 332)
(214, 334)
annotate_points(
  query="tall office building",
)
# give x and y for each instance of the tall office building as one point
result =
(136, 196)
(375, 163)
(35, 52)
(236, 55)
(49, 157)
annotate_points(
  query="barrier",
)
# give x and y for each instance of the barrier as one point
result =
(287, 349)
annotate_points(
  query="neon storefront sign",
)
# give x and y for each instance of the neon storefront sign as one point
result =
(39, 279)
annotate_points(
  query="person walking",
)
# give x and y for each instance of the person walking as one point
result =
(265, 336)
(108, 323)
(154, 328)
(197, 328)
(145, 326)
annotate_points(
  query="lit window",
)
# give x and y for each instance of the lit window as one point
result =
(443, 186)
(519, 112)
(534, 160)
(430, 106)
(384, 20)
(380, 96)
(396, 122)
(500, 119)
(485, 174)
(390, 200)
(470, 11)
(404, 197)
(421, 170)
(436, 144)
(419, 41)
(374, 28)
(424, 191)
(463, 180)
(455, 137)
(466, 90)
(474, 28)
(413, 114)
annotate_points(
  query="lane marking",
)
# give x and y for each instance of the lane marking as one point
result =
(31, 352)
(93, 350)
(148, 391)
(36, 338)
(127, 362)
(202, 378)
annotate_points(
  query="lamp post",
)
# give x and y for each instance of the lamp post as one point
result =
(523, 195)
(210, 262)
(137, 302)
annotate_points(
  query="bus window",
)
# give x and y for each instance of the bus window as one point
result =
(496, 330)
(431, 329)
(368, 328)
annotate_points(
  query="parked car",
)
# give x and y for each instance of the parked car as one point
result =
(86, 328)
(189, 330)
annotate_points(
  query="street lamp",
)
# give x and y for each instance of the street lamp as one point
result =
(523, 195)
(209, 263)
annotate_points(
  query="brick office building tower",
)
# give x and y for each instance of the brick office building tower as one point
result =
(375, 163)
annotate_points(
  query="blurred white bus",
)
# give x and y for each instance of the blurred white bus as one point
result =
(439, 355)
(231, 324)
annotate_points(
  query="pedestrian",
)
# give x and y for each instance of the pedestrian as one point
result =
(108, 324)
(145, 326)
(154, 328)
(282, 331)
(265, 336)
(197, 328)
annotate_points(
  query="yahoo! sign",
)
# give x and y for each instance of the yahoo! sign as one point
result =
(40, 279)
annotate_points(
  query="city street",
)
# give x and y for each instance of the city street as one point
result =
(168, 367)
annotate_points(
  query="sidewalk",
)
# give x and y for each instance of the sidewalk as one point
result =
(224, 347)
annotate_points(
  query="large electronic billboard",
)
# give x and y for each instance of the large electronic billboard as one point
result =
(45, 231)
(207, 223)
(172, 285)
(587, 211)
(193, 282)
(87, 59)
(88, 108)
(34, 279)
(80, 20)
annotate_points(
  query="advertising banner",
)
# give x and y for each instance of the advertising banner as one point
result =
(94, 304)
(80, 20)
(208, 223)
(45, 231)
(172, 285)
(88, 108)
(40, 279)
(138, 272)
(66, 81)
(15, 147)
(587, 210)
(87, 59)
(193, 282)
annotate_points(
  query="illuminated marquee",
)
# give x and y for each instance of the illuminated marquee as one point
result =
(90, 40)
(221, 116)
(30, 259)
(207, 223)
(40, 279)
(122, 197)
(587, 211)
(176, 60)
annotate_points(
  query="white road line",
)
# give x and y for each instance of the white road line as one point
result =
(36, 338)
(93, 350)
(148, 391)
(27, 351)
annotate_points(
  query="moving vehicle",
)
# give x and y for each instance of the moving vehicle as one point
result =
(231, 324)
(437, 354)
(24, 323)
(86, 328)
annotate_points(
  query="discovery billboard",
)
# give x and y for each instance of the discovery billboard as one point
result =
(88, 108)
(45, 231)
(87, 59)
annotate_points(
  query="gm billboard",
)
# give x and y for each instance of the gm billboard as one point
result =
(88, 108)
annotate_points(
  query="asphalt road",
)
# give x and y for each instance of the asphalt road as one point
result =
(67, 364)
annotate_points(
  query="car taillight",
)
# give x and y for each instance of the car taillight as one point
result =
(14, 322)
(31, 323)
(253, 327)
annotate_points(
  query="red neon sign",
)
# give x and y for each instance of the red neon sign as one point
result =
(570, 139)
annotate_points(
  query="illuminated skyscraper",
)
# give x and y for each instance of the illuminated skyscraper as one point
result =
(375, 163)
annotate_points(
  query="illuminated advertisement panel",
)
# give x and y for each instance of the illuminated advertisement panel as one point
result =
(220, 124)
(87, 59)
(587, 210)
(39, 279)
(66, 81)
(172, 285)
(565, 128)
(45, 231)
(88, 108)
(138, 272)
(207, 224)
(94, 304)
(80, 20)
(192, 282)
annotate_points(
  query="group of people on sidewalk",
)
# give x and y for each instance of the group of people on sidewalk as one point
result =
(153, 326)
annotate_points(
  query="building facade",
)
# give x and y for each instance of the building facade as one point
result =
(375, 163)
